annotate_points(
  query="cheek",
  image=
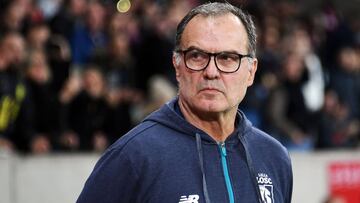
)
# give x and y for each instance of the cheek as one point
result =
(236, 87)
(186, 84)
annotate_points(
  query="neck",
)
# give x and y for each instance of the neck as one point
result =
(219, 125)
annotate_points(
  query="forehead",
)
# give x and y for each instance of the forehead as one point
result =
(215, 33)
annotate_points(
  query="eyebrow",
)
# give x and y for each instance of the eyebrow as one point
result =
(199, 49)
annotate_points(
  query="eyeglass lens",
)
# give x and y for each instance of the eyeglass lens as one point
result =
(198, 60)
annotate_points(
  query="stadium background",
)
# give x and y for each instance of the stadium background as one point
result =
(85, 73)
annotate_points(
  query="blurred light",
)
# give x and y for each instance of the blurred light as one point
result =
(123, 6)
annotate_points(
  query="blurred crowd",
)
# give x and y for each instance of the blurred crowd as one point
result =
(75, 75)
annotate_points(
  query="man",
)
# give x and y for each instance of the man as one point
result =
(199, 147)
(16, 132)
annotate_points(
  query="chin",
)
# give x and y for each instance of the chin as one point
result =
(211, 106)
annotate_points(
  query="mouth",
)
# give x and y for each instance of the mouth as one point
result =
(210, 89)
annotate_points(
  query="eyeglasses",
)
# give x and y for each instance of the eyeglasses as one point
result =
(226, 62)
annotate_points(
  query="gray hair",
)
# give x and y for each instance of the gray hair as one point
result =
(217, 9)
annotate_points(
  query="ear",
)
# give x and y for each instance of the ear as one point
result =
(176, 63)
(252, 70)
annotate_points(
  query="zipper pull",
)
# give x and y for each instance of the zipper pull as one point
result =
(222, 148)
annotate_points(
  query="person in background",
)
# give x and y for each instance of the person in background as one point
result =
(85, 114)
(313, 88)
(89, 36)
(13, 16)
(337, 128)
(199, 147)
(16, 129)
(38, 36)
(59, 59)
(71, 13)
(288, 118)
(119, 68)
(345, 78)
(44, 102)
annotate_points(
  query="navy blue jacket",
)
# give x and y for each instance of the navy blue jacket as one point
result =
(166, 159)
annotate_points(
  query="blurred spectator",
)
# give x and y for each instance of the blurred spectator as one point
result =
(120, 72)
(118, 63)
(37, 36)
(15, 109)
(337, 129)
(85, 114)
(338, 34)
(70, 14)
(289, 119)
(161, 90)
(158, 28)
(313, 88)
(13, 15)
(44, 112)
(89, 37)
(68, 140)
(125, 23)
(269, 56)
(269, 63)
(59, 58)
(345, 79)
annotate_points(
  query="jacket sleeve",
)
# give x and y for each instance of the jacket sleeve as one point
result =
(112, 180)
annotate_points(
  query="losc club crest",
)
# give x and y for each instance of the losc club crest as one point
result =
(266, 187)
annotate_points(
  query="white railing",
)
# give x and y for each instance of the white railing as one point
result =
(59, 178)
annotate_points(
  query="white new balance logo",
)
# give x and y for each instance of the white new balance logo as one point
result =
(190, 199)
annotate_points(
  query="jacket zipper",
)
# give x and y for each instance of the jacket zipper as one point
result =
(226, 172)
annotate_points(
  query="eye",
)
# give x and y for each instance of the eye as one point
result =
(196, 55)
(228, 57)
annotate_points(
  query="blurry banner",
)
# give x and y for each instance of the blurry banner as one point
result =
(344, 180)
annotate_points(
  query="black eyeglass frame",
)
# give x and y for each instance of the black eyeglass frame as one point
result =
(184, 52)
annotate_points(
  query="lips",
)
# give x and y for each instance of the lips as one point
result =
(210, 89)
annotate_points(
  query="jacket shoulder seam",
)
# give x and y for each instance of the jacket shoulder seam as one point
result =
(133, 136)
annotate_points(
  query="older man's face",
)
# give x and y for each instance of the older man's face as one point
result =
(210, 90)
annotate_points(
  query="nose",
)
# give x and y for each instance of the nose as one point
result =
(211, 71)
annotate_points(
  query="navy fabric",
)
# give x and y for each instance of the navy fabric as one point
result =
(158, 161)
